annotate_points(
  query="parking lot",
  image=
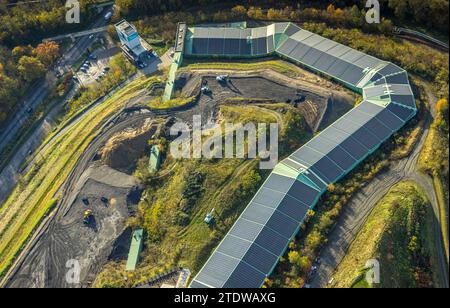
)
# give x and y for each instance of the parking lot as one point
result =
(96, 66)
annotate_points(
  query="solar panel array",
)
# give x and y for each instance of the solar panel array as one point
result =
(253, 246)
(210, 41)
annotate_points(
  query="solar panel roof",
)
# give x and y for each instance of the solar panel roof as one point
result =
(252, 247)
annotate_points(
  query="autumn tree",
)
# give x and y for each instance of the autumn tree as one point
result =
(239, 11)
(331, 188)
(31, 68)
(273, 14)
(255, 12)
(301, 262)
(442, 106)
(47, 52)
(20, 51)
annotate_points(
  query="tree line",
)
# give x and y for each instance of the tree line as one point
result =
(19, 68)
(432, 14)
(22, 59)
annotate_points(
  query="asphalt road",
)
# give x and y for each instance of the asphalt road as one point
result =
(41, 89)
(360, 206)
(83, 43)
(37, 94)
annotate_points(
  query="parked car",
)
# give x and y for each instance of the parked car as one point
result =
(140, 64)
(108, 16)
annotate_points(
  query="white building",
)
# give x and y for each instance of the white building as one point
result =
(134, 47)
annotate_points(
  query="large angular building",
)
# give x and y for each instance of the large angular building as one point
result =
(251, 249)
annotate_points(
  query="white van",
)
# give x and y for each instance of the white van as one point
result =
(108, 16)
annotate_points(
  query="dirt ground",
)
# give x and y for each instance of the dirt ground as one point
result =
(102, 172)
(123, 150)
(69, 239)
(319, 108)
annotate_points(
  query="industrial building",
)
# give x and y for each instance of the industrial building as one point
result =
(250, 251)
(135, 249)
(134, 48)
(155, 159)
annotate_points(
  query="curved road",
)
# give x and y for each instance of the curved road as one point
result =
(360, 206)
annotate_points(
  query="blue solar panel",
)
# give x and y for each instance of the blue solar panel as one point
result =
(406, 100)
(200, 46)
(279, 183)
(231, 47)
(293, 208)
(245, 276)
(401, 112)
(303, 193)
(216, 46)
(328, 169)
(272, 241)
(252, 247)
(341, 158)
(378, 129)
(366, 138)
(260, 259)
(390, 120)
(355, 148)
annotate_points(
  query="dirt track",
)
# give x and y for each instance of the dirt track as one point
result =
(67, 238)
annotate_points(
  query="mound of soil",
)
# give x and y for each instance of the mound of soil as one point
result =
(124, 149)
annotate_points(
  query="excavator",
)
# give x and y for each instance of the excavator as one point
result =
(88, 214)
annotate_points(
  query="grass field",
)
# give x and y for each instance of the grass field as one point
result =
(177, 204)
(399, 234)
(33, 197)
(276, 65)
(173, 103)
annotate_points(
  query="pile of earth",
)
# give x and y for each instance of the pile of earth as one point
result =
(123, 150)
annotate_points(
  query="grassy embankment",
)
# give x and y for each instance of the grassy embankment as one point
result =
(434, 162)
(399, 234)
(173, 103)
(177, 204)
(32, 198)
(279, 66)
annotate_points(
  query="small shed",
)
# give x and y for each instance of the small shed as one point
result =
(155, 159)
(135, 249)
